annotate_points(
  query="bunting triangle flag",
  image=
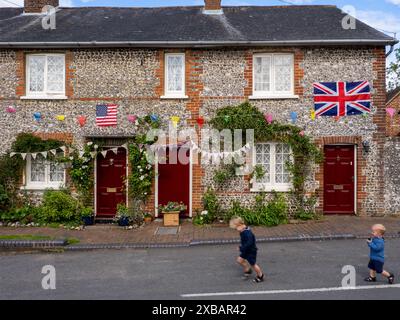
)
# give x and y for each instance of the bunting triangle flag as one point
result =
(34, 155)
(115, 150)
(104, 153)
(81, 153)
(12, 154)
(93, 154)
(53, 151)
(63, 148)
(23, 155)
(44, 154)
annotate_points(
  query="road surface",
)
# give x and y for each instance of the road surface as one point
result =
(296, 270)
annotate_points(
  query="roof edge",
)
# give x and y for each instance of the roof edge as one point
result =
(95, 44)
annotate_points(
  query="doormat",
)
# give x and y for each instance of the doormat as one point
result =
(161, 231)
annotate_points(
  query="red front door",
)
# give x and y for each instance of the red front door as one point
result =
(173, 179)
(339, 179)
(111, 174)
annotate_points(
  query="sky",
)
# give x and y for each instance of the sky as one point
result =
(381, 14)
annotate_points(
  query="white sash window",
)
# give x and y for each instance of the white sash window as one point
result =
(273, 75)
(175, 75)
(45, 76)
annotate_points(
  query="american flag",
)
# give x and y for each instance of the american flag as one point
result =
(342, 98)
(106, 115)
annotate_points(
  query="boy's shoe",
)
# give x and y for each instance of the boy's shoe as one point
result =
(247, 274)
(391, 278)
(258, 279)
(370, 279)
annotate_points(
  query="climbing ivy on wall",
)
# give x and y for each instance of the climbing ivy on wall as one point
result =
(305, 152)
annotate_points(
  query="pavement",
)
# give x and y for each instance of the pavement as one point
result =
(294, 270)
(111, 236)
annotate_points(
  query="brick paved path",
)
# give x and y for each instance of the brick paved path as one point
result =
(111, 234)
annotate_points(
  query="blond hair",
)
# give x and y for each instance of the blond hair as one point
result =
(380, 227)
(235, 222)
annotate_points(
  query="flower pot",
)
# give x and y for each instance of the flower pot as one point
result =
(148, 219)
(123, 222)
(88, 221)
(171, 219)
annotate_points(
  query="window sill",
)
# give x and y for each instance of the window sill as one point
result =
(41, 187)
(174, 97)
(44, 97)
(270, 189)
(271, 97)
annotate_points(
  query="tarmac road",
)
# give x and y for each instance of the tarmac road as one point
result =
(294, 270)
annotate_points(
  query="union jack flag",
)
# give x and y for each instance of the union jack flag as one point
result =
(106, 115)
(342, 98)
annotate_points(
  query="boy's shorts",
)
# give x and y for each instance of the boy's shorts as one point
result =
(375, 265)
(250, 257)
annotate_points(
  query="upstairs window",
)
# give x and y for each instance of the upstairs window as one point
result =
(175, 75)
(45, 75)
(273, 75)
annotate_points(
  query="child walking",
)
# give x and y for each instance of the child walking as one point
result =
(377, 254)
(248, 250)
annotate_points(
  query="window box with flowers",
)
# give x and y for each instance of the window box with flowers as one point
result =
(171, 213)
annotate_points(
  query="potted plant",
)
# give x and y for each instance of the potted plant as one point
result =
(87, 216)
(147, 217)
(171, 213)
(123, 218)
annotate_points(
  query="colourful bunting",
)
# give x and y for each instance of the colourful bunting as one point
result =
(293, 116)
(60, 117)
(37, 116)
(391, 111)
(132, 118)
(200, 122)
(81, 120)
(312, 114)
(175, 120)
(269, 118)
(154, 117)
(10, 109)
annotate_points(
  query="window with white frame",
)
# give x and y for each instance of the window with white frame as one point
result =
(45, 75)
(273, 157)
(175, 75)
(273, 75)
(44, 174)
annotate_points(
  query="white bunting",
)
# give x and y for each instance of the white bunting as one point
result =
(23, 155)
(34, 155)
(71, 150)
(44, 154)
(104, 153)
(63, 148)
(12, 154)
(115, 150)
(53, 151)
(81, 153)
(93, 154)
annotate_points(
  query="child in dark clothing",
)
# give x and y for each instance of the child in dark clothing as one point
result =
(248, 250)
(377, 254)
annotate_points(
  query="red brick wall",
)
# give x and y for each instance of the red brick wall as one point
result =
(393, 124)
(32, 6)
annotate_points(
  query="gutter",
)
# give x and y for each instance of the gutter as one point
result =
(195, 44)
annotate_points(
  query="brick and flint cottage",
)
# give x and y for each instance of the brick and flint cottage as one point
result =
(188, 62)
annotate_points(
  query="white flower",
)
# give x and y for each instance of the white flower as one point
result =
(140, 170)
(204, 213)
(96, 146)
(141, 177)
(89, 143)
(145, 193)
(71, 158)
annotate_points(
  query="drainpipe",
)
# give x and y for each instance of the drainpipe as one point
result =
(390, 51)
